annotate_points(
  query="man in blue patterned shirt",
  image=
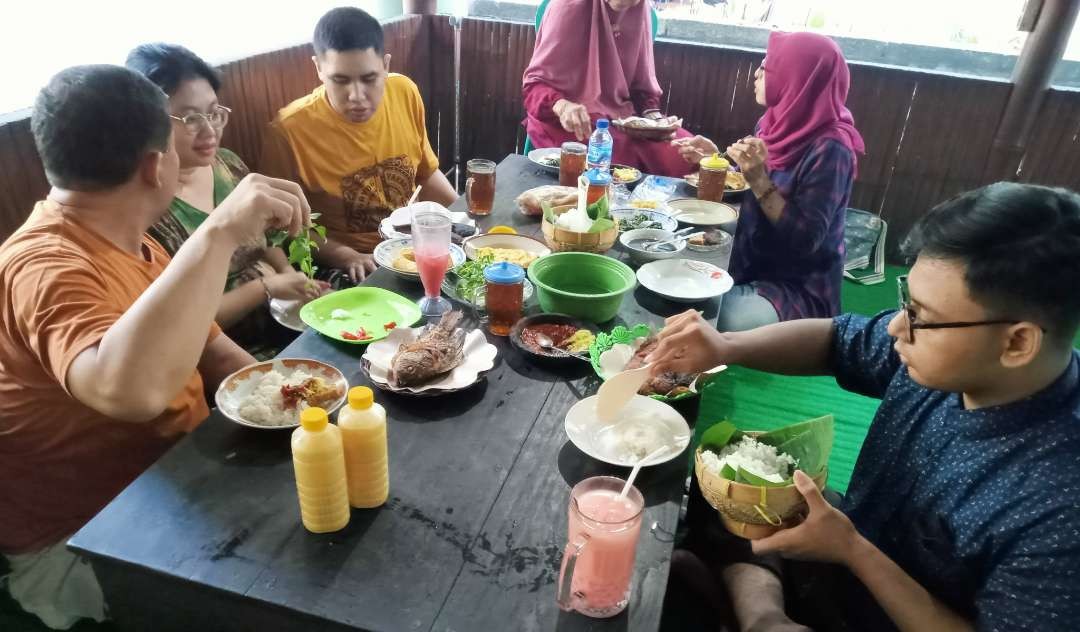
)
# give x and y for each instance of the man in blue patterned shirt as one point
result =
(962, 510)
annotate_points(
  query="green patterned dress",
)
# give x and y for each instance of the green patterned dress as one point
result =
(257, 332)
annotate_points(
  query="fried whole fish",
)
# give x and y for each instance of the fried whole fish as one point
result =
(437, 350)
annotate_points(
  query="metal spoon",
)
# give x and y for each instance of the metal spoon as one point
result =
(547, 344)
(651, 247)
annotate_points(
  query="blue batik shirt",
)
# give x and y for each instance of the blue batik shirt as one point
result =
(981, 507)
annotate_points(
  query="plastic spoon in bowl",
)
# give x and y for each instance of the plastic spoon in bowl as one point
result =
(663, 242)
(637, 468)
(547, 344)
(617, 390)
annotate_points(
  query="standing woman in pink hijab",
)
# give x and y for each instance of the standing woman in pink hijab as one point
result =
(593, 59)
(788, 257)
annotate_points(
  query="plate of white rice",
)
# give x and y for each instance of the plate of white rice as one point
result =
(642, 426)
(753, 456)
(253, 396)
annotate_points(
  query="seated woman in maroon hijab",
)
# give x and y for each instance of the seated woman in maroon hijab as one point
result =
(594, 59)
(788, 257)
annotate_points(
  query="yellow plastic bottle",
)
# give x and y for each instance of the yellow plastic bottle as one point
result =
(319, 463)
(363, 429)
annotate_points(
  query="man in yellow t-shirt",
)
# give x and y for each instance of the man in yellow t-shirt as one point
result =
(357, 145)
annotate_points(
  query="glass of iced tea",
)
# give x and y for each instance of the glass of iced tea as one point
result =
(504, 284)
(571, 163)
(480, 186)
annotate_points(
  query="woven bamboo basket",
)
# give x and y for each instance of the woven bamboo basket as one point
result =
(750, 511)
(562, 240)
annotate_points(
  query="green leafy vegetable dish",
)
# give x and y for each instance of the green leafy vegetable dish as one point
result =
(470, 277)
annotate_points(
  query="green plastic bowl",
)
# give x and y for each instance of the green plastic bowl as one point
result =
(581, 284)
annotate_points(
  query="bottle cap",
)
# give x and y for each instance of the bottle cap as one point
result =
(598, 178)
(602, 124)
(504, 272)
(361, 397)
(313, 419)
(716, 163)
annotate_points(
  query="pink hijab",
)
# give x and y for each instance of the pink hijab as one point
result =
(579, 54)
(806, 85)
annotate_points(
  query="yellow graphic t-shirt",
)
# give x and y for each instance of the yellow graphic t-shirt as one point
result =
(355, 174)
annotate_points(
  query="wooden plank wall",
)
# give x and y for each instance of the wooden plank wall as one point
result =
(255, 87)
(927, 135)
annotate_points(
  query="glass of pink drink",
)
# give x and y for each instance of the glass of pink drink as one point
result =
(598, 562)
(431, 249)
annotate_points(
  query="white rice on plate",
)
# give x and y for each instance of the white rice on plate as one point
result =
(633, 438)
(265, 405)
(753, 456)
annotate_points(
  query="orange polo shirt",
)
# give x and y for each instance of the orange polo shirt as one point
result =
(63, 286)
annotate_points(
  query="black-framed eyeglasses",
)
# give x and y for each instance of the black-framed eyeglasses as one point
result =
(216, 119)
(913, 323)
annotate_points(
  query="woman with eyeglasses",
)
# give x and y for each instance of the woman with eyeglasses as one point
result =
(788, 256)
(208, 173)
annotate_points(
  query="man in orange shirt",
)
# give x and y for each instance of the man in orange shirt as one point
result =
(358, 144)
(105, 351)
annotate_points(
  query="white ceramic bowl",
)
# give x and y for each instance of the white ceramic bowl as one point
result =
(537, 154)
(684, 280)
(639, 255)
(704, 213)
(234, 389)
(387, 251)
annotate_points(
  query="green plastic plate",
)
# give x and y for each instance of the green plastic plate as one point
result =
(368, 307)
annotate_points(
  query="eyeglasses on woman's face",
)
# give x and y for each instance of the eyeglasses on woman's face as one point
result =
(216, 119)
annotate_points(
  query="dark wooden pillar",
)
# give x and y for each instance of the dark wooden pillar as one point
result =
(422, 7)
(1051, 23)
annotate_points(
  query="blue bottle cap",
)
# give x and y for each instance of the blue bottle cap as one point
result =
(504, 272)
(598, 178)
(602, 124)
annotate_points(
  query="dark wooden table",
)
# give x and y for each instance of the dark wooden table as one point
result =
(471, 539)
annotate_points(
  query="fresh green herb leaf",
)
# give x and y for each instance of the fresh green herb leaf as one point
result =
(471, 276)
(301, 247)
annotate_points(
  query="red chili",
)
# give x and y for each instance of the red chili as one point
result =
(390, 325)
(348, 335)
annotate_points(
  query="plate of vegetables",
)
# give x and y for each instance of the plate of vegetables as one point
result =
(359, 315)
(635, 218)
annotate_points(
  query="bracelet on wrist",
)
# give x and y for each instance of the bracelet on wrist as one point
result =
(266, 288)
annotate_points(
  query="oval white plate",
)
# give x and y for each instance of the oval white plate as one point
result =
(388, 250)
(704, 213)
(685, 280)
(597, 439)
(479, 358)
(497, 240)
(235, 388)
(402, 216)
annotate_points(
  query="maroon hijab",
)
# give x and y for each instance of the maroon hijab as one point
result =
(595, 56)
(806, 85)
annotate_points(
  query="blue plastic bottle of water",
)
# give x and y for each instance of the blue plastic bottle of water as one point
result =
(600, 145)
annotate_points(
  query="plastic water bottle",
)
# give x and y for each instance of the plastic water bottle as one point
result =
(600, 145)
